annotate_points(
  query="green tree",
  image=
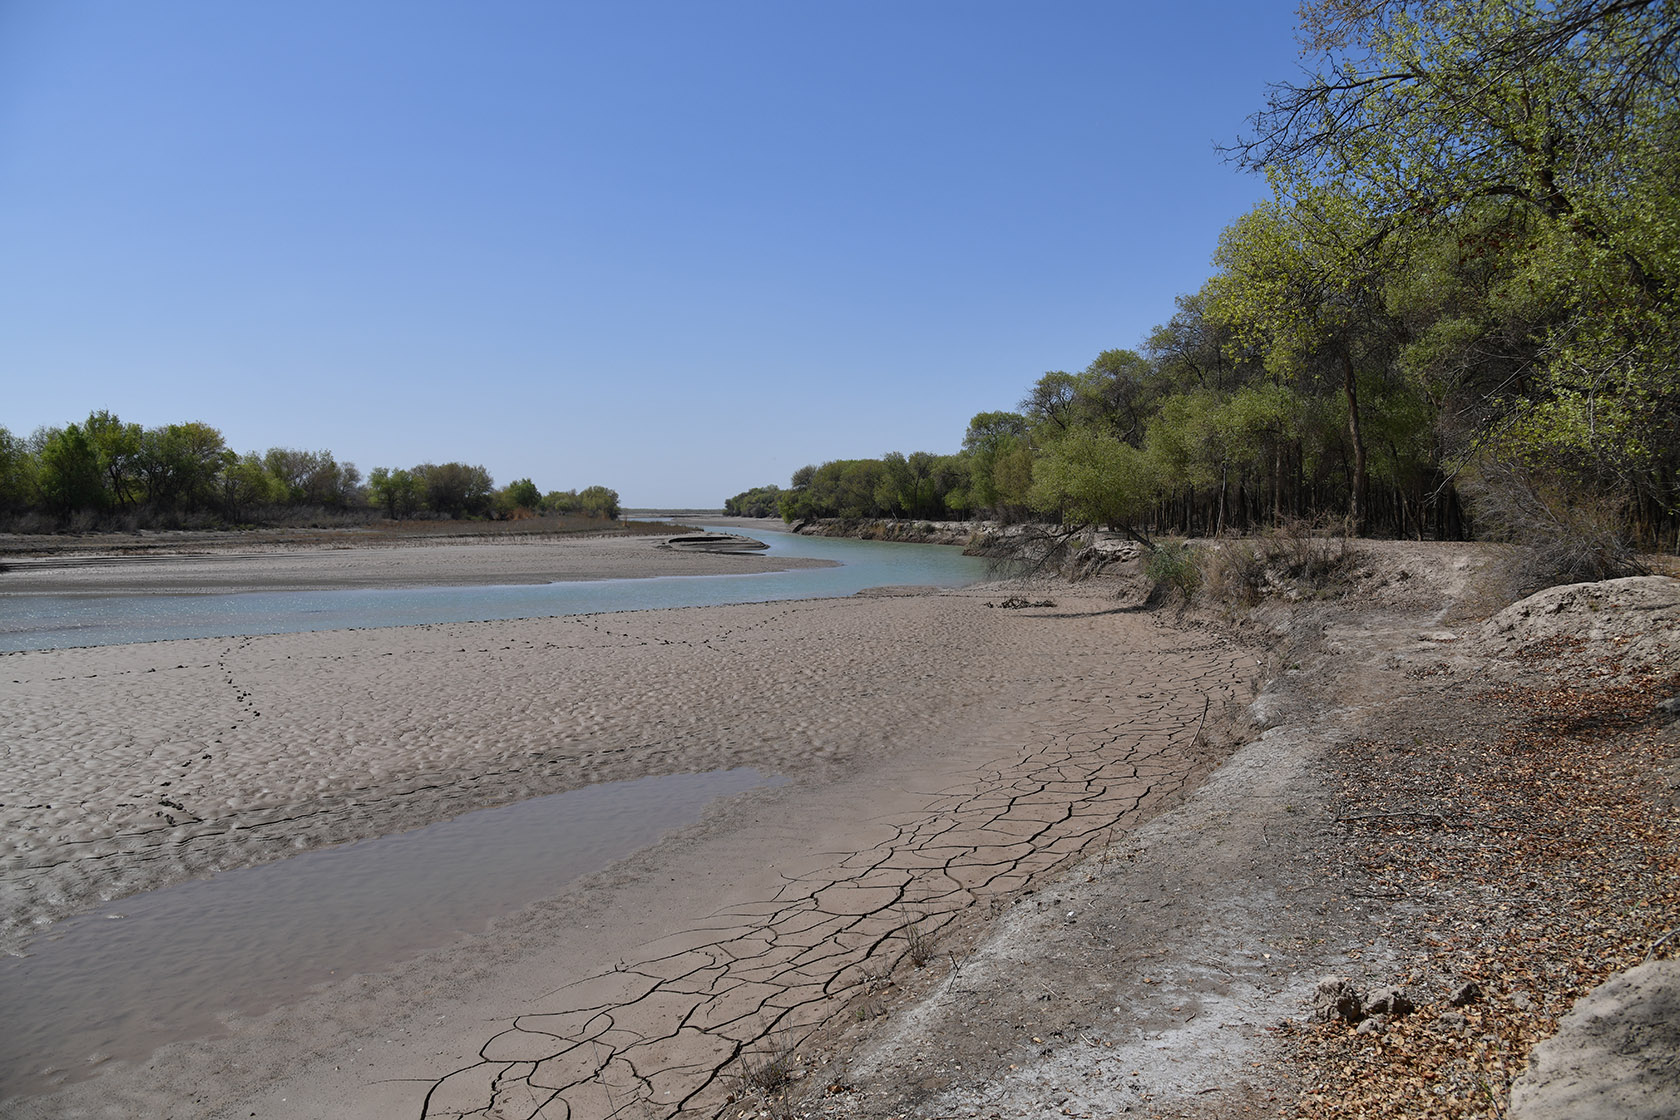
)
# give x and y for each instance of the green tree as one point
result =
(1091, 478)
(1530, 152)
(454, 489)
(519, 494)
(1053, 402)
(760, 501)
(1566, 108)
(905, 486)
(313, 478)
(845, 488)
(245, 485)
(396, 491)
(117, 447)
(1117, 391)
(561, 501)
(178, 464)
(999, 461)
(17, 473)
(69, 478)
(599, 501)
(1301, 283)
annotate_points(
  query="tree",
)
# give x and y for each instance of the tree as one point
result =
(396, 491)
(1053, 401)
(1300, 282)
(117, 448)
(454, 489)
(1000, 470)
(1539, 143)
(599, 501)
(1089, 478)
(17, 473)
(312, 478)
(245, 484)
(178, 464)
(905, 486)
(561, 501)
(846, 488)
(517, 495)
(760, 501)
(1558, 107)
(70, 478)
(1116, 391)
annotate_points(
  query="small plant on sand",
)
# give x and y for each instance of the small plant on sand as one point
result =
(918, 941)
(769, 1071)
(1233, 573)
(867, 1004)
(766, 1077)
(1566, 530)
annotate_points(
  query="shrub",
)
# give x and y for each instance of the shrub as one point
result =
(1233, 574)
(1293, 560)
(1567, 532)
(1174, 571)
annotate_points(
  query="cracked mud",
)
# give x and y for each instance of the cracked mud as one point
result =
(669, 1030)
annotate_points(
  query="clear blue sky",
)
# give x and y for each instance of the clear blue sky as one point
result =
(680, 249)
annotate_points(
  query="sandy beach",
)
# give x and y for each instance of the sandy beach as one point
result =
(938, 753)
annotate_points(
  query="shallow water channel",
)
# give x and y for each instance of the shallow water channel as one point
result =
(169, 964)
(56, 621)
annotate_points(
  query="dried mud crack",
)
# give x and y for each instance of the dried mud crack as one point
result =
(677, 1029)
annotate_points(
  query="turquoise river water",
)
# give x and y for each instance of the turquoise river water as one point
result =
(57, 621)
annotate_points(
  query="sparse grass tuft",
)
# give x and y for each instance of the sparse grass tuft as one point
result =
(770, 1071)
(918, 942)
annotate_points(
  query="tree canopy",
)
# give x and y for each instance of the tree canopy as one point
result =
(105, 472)
(1462, 292)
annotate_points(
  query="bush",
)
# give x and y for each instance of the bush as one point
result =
(1233, 574)
(1566, 531)
(1174, 571)
(1293, 560)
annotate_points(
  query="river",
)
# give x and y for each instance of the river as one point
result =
(59, 621)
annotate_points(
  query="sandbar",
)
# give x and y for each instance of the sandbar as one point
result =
(491, 560)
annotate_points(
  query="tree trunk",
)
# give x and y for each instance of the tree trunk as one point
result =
(1219, 526)
(1357, 512)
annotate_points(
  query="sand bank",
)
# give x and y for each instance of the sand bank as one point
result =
(941, 754)
(491, 560)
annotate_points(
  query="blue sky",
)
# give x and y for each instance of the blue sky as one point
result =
(680, 249)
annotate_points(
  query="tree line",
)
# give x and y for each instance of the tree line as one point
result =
(105, 471)
(1459, 310)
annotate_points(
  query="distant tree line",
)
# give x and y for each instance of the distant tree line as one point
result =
(761, 501)
(1459, 312)
(103, 471)
(918, 485)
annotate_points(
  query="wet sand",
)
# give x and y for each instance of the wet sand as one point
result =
(494, 560)
(941, 755)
